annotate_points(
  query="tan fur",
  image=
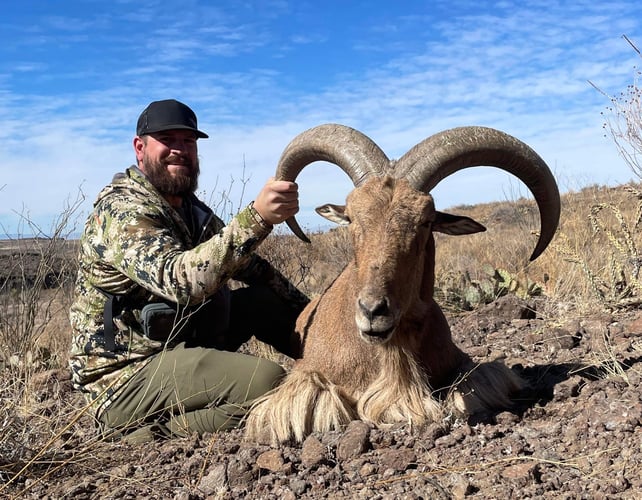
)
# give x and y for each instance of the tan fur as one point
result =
(399, 394)
(375, 344)
(485, 386)
(305, 402)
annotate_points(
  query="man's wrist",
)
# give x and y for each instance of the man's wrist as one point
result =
(257, 217)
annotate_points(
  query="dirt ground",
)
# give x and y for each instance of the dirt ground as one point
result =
(576, 432)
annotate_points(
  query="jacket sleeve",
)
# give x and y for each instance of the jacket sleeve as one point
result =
(260, 271)
(142, 242)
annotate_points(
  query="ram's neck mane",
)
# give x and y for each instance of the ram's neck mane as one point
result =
(400, 392)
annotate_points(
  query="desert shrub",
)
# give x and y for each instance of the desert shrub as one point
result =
(623, 119)
(594, 260)
(34, 337)
(611, 262)
(310, 266)
(603, 237)
(36, 288)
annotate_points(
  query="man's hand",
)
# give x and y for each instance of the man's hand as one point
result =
(277, 201)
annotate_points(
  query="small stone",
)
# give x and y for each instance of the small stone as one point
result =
(215, 480)
(506, 418)
(313, 452)
(398, 460)
(271, 460)
(354, 441)
(298, 486)
(367, 469)
(521, 474)
(460, 486)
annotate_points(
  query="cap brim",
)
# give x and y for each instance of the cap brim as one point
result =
(199, 133)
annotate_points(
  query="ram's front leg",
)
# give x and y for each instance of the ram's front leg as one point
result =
(484, 388)
(304, 403)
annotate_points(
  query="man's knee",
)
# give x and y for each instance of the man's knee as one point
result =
(235, 377)
(193, 379)
(265, 377)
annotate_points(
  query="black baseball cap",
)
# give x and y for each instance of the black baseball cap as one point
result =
(168, 114)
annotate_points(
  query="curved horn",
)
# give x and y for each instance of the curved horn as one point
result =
(447, 152)
(356, 154)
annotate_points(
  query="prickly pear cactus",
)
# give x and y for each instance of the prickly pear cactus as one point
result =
(466, 293)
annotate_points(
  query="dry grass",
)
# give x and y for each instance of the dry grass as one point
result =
(312, 267)
(592, 263)
(593, 260)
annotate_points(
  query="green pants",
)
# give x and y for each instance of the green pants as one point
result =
(190, 388)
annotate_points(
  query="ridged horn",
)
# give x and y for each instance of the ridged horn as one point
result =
(447, 152)
(356, 154)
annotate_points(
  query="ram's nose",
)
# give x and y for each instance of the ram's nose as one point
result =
(375, 319)
(373, 307)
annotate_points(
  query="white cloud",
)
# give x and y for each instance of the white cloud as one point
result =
(253, 73)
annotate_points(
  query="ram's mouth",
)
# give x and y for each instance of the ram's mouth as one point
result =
(377, 336)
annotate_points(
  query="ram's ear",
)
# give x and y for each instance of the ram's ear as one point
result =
(456, 225)
(334, 213)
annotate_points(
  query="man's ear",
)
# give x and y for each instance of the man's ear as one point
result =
(139, 148)
(334, 213)
(455, 225)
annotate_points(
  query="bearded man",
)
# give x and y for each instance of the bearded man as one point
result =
(155, 325)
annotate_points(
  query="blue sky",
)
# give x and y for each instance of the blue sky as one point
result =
(74, 76)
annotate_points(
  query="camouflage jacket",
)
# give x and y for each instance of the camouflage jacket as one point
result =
(137, 246)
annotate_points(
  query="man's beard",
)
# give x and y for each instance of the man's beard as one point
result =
(176, 184)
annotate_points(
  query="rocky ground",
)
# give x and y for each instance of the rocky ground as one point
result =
(575, 433)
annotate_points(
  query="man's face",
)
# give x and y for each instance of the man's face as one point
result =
(169, 159)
